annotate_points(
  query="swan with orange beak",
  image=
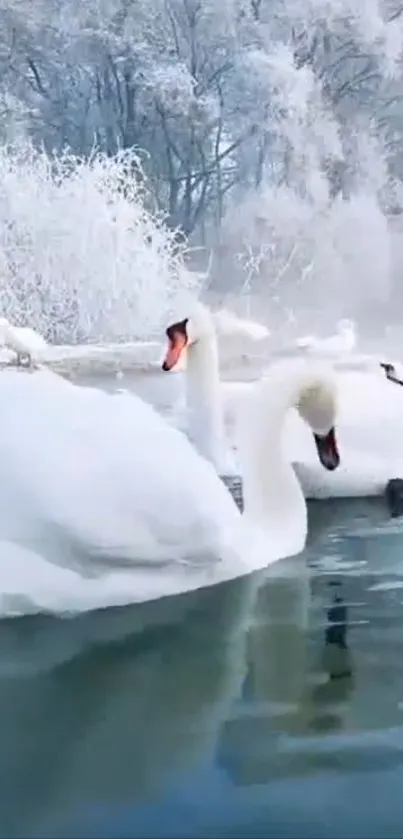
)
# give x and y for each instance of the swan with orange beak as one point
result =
(316, 405)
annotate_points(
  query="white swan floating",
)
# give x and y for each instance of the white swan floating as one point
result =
(370, 416)
(370, 420)
(103, 503)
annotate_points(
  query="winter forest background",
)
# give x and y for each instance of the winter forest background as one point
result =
(146, 141)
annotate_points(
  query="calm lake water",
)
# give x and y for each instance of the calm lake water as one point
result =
(268, 707)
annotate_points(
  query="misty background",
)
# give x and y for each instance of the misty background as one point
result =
(248, 149)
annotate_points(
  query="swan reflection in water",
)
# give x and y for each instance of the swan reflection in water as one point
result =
(275, 683)
(108, 707)
(278, 696)
(116, 708)
(105, 708)
(324, 682)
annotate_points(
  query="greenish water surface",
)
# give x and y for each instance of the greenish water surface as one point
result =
(267, 707)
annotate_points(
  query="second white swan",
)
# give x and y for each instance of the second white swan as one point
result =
(370, 416)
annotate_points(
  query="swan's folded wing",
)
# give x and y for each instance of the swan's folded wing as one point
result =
(107, 472)
(168, 501)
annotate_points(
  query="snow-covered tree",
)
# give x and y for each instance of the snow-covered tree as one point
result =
(80, 258)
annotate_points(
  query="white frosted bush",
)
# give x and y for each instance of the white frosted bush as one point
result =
(81, 258)
(338, 251)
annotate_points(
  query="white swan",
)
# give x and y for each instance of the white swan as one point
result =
(24, 341)
(102, 502)
(370, 422)
(209, 403)
(207, 398)
(370, 416)
(205, 418)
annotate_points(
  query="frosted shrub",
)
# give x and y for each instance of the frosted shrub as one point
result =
(329, 255)
(81, 258)
(315, 233)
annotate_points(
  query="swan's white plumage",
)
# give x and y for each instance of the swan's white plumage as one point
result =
(101, 486)
(208, 403)
(21, 339)
(271, 490)
(370, 420)
(105, 503)
(76, 449)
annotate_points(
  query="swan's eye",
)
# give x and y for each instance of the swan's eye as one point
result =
(177, 341)
(175, 329)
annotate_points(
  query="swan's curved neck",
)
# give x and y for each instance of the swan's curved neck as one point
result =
(203, 396)
(273, 498)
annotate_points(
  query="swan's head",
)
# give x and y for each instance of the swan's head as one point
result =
(183, 334)
(317, 406)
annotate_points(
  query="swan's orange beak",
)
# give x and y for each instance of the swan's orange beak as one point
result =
(177, 341)
(327, 448)
(173, 353)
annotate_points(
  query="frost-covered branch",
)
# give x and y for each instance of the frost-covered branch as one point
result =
(80, 258)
